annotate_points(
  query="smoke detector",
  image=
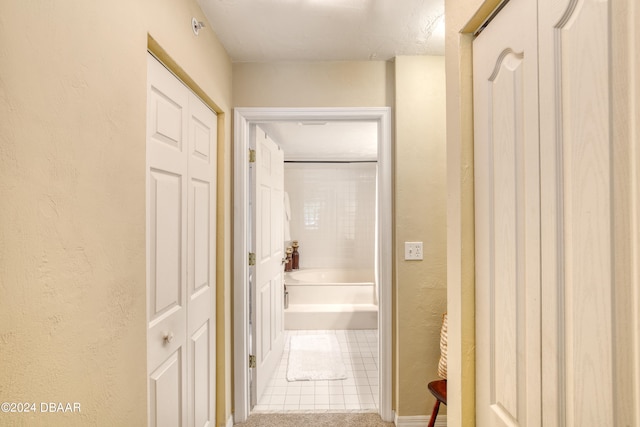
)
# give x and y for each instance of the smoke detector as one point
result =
(196, 26)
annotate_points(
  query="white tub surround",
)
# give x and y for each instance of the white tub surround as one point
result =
(330, 299)
(333, 213)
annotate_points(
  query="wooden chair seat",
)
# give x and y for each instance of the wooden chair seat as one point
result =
(439, 390)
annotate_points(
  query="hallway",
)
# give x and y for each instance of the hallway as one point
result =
(315, 420)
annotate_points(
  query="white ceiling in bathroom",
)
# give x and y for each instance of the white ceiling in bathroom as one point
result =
(326, 30)
(325, 141)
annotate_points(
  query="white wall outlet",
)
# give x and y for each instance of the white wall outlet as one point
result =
(413, 251)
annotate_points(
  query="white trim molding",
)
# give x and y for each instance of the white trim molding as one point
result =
(229, 422)
(419, 421)
(244, 118)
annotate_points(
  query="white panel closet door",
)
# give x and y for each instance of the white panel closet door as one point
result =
(578, 203)
(181, 167)
(587, 256)
(167, 175)
(507, 195)
(201, 259)
(268, 297)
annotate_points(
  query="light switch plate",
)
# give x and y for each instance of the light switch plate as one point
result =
(413, 251)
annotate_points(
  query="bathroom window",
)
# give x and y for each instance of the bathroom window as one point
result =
(312, 210)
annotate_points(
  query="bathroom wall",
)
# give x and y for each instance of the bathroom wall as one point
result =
(333, 207)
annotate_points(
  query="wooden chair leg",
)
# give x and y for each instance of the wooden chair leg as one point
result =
(434, 413)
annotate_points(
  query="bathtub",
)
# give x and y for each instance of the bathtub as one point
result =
(331, 299)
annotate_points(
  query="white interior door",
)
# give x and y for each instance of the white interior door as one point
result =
(181, 162)
(201, 264)
(166, 247)
(508, 386)
(267, 298)
(584, 164)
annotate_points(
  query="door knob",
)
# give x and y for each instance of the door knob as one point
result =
(168, 337)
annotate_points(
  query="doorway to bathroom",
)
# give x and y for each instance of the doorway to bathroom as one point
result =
(250, 124)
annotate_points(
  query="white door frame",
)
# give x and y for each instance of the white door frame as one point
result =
(243, 119)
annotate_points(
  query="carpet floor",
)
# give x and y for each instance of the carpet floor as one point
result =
(315, 420)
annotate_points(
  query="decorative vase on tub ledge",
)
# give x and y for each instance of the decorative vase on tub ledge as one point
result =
(295, 256)
(288, 260)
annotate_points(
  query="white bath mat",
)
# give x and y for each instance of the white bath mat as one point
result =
(315, 358)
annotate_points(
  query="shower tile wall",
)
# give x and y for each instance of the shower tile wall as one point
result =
(333, 213)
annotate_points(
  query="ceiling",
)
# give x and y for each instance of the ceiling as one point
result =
(326, 30)
(325, 141)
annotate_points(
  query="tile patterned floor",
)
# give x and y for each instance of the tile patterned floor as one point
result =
(357, 393)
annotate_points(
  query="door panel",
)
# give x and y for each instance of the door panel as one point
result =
(269, 216)
(587, 200)
(166, 237)
(508, 239)
(507, 220)
(265, 320)
(201, 265)
(181, 162)
(166, 389)
(201, 244)
(265, 220)
(578, 183)
(168, 103)
(201, 346)
(167, 136)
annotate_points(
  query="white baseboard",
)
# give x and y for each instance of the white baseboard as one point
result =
(229, 421)
(419, 421)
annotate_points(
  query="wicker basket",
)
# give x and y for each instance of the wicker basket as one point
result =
(442, 364)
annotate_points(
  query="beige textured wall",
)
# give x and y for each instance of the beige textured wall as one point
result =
(72, 185)
(313, 84)
(420, 215)
(460, 213)
(417, 85)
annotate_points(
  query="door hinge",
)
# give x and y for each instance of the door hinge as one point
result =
(252, 156)
(252, 258)
(252, 361)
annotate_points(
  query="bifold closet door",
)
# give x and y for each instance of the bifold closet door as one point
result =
(552, 217)
(507, 197)
(578, 247)
(181, 170)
